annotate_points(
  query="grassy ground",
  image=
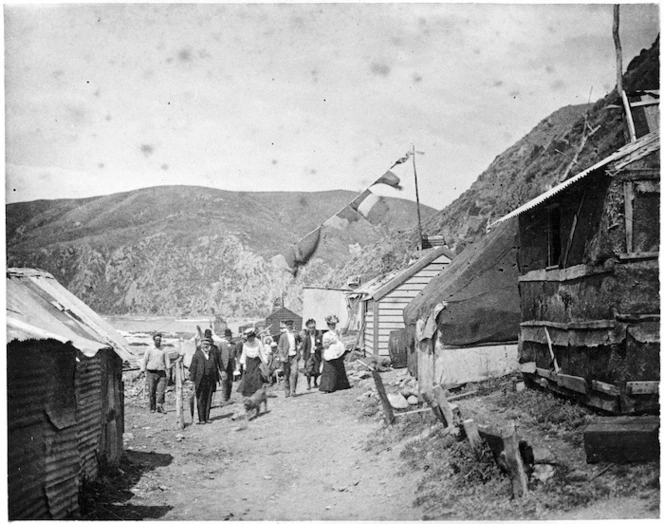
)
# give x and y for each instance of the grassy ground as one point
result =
(456, 485)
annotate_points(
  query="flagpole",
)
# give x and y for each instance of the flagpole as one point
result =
(417, 196)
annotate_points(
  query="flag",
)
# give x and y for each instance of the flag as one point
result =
(389, 179)
(402, 159)
(300, 253)
(363, 203)
(336, 222)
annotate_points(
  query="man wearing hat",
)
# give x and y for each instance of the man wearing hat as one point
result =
(155, 363)
(288, 350)
(228, 353)
(204, 373)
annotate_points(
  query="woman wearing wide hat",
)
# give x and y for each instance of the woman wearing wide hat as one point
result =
(334, 376)
(253, 355)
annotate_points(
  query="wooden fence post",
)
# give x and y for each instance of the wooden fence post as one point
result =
(514, 462)
(380, 389)
(473, 436)
(445, 407)
(179, 371)
(504, 445)
(433, 404)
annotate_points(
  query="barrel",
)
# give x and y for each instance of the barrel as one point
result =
(398, 348)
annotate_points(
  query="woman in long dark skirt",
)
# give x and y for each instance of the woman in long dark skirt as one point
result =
(333, 378)
(253, 355)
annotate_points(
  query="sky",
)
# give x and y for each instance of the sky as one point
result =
(104, 98)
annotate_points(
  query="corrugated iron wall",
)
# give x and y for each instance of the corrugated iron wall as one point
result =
(43, 469)
(89, 413)
(66, 416)
(26, 391)
(112, 401)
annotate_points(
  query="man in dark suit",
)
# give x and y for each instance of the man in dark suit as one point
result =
(204, 373)
(289, 354)
(312, 348)
(227, 355)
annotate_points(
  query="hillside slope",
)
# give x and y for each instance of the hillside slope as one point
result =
(188, 250)
(543, 158)
(540, 160)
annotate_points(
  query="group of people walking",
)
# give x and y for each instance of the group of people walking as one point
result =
(215, 363)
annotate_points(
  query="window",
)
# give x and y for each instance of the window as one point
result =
(642, 216)
(554, 247)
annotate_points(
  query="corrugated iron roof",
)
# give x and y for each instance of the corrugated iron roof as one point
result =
(641, 147)
(39, 307)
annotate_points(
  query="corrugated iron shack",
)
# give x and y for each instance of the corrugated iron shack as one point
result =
(589, 282)
(65, 399)
(383, 299)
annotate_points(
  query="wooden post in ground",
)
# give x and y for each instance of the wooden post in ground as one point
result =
(445, 407)
(433, 404)
(473, 436)
(179, 372)
(380, 389)
(504, 445)
(514, 462)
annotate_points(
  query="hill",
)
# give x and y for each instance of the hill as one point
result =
(553, 151)
(187, 250)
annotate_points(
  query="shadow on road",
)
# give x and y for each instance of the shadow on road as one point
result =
(108, 498)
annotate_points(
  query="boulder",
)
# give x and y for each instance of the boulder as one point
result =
(543, 472)
(397, 401)
(543, 456)
(408, 392)
(413, 400)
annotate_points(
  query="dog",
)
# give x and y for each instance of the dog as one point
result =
(255, 401)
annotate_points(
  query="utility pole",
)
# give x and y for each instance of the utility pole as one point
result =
(616, 42)
(417, 196)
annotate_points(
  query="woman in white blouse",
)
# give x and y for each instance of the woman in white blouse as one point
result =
(253, 355)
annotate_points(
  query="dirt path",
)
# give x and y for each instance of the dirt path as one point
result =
(302, 460)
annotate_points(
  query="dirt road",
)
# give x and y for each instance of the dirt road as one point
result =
(304, 459)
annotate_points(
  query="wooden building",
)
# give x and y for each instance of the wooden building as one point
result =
(383, 299)
(65, 400)
(589, 282)
(274, 320)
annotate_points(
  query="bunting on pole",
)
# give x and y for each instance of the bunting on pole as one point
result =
(402, 159)
(363, 203)
(390, 179)
(300, 253)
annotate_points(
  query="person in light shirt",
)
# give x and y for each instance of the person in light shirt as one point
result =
(155, 363)
(252, 357)
(289, 354)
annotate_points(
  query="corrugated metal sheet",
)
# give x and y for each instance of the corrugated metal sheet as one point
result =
(89, 413)
(61, 471)
(56, 420)
(38, 307)
(634, 150)
(25, 473)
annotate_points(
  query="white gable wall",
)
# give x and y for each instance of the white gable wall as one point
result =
(386, 314)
